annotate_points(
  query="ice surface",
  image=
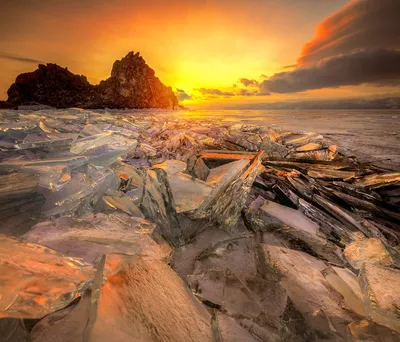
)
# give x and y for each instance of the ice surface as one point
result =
(258, 235)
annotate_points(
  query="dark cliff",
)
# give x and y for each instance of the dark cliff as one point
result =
(132, 84)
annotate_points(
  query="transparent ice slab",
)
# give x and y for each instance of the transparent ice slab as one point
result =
(37, 280)
(81, 194)
(143, 301)
(121, 202)
(96, 234)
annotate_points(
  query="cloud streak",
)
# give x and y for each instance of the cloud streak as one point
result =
(361, 24)
(214, 91)
(246, 92)
(182, 95)
(19, 59)
(372, 66)
(249, 83)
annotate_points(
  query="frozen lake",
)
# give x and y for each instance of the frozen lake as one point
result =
(371, 135)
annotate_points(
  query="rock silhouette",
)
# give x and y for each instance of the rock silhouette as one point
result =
(132, 84)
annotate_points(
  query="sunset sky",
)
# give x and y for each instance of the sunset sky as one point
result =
(221, 51)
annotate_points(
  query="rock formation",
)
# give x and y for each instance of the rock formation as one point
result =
(132, 84)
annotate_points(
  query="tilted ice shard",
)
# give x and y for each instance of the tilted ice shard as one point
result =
(20, 204)
(293, 227)
(331, 174)
(119, 201)
(346, 283)
(379, 286)
(82, 192)
(370, 251)
(84, 145)
(97, 234)
(158, 204)
(325, 155)
(72, 161)
(171, 166)
(378, 180)
(166, 196)
(142, 300)
(310, 292)
(217, 174)
(200, 169)
(37, 280)
(188, 192)
(51, 177)
(291, 217)
(90, 130)
(227, 198)
(128, 173)
(309, 147)
(332, 228)
(103, 149)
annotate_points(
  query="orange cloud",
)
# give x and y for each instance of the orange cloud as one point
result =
(360, 24)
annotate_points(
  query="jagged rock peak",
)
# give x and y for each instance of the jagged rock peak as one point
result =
(132, 84)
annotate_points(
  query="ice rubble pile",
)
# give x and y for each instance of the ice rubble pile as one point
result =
(132, 226)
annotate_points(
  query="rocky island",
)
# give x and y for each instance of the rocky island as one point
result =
(132, 84)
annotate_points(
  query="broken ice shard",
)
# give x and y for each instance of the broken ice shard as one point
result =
(103, 149)
(37, 280)
(20, 204)
(228, 196)
(143, 300)
(158, 204)
(97, 234)
(87, 185)
(370, 251)
(220, 198)
(346, 283)
(119, 201)
(171, 166)
(128, 173)
(379, 286)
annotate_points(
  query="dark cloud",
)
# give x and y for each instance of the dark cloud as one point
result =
(19, 59)
(182, 95)
(361, 24)
(372, 66)
(249, 83)
(288, 67)
(213, 91)
(246, 92)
